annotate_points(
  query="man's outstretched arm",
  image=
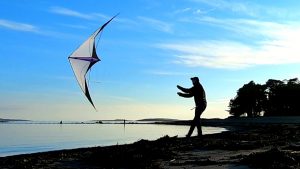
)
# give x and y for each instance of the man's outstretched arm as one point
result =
(185, 90)
(185, 94)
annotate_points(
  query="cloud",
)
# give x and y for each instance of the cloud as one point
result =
(69, 12)
(252, 9)
(195, 11)
(90, 16)
(24, 27)
(269, 32)
(18, 26)
(245, 27)
(272, 43)
(233, 6)
(184, 10)
(215, 54)
(73, 13)
(157, 24)
(231, 55)
(124, 22)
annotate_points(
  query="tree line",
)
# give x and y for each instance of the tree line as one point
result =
(274, 98)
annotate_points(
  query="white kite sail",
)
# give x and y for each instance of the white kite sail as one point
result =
(83, 58)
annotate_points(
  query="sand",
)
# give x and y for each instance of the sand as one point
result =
(251, 146)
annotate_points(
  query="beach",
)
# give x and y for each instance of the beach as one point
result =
(247, 146)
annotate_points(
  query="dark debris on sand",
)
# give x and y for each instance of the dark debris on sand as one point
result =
(266, 146)
(141, 154)
(274, 159)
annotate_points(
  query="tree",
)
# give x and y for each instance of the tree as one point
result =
(275, 98)
(274, 89)
(250, 100)
(283, 97)
(292, 97)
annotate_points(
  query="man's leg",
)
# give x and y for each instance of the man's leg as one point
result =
(199, 128)
(191, 129)
(199, 111)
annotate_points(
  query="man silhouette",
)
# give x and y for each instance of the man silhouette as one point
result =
(198, 93)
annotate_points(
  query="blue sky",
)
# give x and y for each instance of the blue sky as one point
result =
(152, 46)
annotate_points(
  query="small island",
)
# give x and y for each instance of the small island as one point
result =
(2, 120)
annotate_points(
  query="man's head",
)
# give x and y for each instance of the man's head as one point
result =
(195, 80)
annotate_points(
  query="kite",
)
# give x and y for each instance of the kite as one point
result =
(83, 58)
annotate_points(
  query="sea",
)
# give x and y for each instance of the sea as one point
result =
(23, 137)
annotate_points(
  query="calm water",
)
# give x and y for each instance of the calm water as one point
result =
(22, 138)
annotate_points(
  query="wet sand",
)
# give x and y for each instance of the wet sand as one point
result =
(250, 146)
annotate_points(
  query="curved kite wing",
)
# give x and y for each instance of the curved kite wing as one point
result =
(83, 58)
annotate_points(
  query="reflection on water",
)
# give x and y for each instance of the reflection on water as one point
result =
(27, 138)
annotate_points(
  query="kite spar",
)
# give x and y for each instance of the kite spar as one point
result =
(83, 58)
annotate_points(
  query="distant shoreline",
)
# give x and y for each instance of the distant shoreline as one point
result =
(9, 120)
(240, 121)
